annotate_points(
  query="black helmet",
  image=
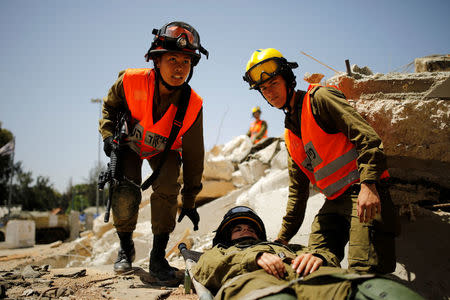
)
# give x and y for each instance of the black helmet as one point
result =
(177, 37)
(238, 215)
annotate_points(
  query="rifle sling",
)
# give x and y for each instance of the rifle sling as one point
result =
(176, 126)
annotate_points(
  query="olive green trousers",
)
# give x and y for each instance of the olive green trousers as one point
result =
(371, 245)
(163, 200)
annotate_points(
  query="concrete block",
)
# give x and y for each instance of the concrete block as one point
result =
(237, 179)
(215, 189)
(238, 148)
(279, 161)
(89, 223)
(252, 170)
(218, 168)
(74, 221)
(432, 63)
(265, 155)
(20, 233)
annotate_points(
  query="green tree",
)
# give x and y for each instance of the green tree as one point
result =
(5, 165)
(22, 191)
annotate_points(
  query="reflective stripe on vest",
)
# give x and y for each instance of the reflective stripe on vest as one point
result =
(329, 160)
(148, 138)
(255, 128)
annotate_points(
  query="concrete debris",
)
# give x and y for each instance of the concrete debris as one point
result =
(313, 78)
(218, 168)
(279, 161)
(363, 71)
(31, 272)
(414, 127)
(237, 149)
(252, 170)
(20, 233)
(265, 155)
(432, 63)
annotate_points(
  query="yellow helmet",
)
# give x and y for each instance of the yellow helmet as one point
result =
(256, 109)
(265, 64)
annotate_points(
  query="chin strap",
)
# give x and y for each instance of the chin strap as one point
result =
(173, 87)
(287, 107)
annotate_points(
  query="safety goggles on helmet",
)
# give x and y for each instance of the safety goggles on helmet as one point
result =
(179, 36)
(266, 69)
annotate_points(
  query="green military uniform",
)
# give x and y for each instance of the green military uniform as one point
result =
(372, 245)
(126, 199)
(232, 273)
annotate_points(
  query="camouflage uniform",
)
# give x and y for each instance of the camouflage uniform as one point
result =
(372, 245)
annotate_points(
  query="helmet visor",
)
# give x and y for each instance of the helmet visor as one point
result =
(263, 71)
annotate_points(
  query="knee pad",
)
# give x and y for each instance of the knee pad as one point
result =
(125, 201)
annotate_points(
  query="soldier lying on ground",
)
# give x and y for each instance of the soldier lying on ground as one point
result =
(243, 265)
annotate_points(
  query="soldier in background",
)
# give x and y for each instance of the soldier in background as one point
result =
(258, 128)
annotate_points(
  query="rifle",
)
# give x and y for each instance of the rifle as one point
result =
(112, 174)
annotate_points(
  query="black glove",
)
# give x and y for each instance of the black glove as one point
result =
(108, 145)
(192, 214)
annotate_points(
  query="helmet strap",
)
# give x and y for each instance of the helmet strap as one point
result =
(172, 87)
(287, 107)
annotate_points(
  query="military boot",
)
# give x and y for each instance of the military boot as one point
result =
(159, 267)
(126, 254)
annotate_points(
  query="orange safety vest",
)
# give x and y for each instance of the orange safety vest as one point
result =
(255, 128)
(148, 138)
(329, 160)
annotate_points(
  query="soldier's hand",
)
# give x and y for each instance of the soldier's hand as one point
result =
(272, 264)
(306, 263)
(108, 145)
(192, 214)
(369, 204)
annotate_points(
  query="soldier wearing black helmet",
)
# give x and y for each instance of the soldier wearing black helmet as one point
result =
(243, 265)
(152, 97)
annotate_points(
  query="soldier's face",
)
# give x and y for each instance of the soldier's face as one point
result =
(243, 230)
(174, 67)
(274, 91)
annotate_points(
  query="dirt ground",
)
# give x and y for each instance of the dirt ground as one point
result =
(21, 278)
(422, 264)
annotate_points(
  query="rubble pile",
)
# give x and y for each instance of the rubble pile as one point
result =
(411, 113)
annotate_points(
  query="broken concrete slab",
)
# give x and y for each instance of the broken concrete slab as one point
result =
(218, 168)
(432, 63)
(442, 90)
(265, 155)
(252, 170)
(279, 161)
(414, 128)
(20, 233)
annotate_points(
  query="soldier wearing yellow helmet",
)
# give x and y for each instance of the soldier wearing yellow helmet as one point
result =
(258, 128)
(332, 147)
